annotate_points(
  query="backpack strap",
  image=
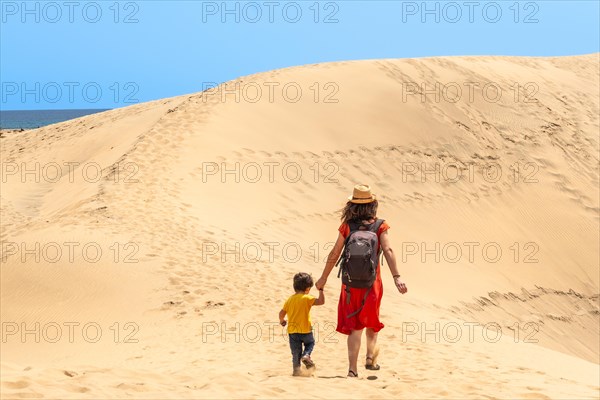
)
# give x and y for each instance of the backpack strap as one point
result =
(361, 306)
(376, 225)
(353, 226)
(375, 228)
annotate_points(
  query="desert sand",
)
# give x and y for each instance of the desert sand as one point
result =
(119, 234)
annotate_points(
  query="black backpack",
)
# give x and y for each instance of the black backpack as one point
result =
(359, 259)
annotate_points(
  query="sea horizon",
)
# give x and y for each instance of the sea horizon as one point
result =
(33, 119)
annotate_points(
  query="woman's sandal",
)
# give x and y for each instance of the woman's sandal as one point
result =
(352, 374)
(371, 366)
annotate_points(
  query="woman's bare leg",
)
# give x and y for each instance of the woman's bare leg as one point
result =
(353, 349)
(371, 344)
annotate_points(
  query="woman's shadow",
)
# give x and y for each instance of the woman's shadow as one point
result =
(370, 377)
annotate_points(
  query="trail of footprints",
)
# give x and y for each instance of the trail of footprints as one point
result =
(139, 209)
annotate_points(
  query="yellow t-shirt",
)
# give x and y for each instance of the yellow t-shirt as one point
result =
(297, 308)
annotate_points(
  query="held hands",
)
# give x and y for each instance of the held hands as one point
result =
(321, 283)
(400, 285)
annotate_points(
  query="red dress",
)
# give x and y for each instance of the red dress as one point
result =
(368, 317)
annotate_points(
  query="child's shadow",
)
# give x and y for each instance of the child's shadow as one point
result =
(308, 372)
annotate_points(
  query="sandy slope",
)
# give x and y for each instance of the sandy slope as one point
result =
(181, 317)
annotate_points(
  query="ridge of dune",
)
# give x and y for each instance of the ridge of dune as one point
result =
(199, 212)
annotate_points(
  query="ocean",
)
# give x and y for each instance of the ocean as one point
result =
(29, 119)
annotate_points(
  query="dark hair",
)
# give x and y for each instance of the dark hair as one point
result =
(358, 212)
(302, 281)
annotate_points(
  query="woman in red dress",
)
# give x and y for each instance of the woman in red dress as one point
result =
(361, 208)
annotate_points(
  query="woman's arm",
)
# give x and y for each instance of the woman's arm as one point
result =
(332, 258)
(391, 261)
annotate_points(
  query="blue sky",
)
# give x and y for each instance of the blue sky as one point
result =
(107, 54)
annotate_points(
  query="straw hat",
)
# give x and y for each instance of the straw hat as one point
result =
(362, 195)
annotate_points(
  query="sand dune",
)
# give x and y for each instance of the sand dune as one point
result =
(168, 232)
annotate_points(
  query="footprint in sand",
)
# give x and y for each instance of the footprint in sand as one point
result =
(16, 385)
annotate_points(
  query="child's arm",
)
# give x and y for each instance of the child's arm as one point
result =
(321, 299)
(282, 317)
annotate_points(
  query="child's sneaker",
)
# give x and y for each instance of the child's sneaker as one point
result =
(307, 361)
(297, 371)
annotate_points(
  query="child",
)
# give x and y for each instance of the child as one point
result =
(297, 307)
